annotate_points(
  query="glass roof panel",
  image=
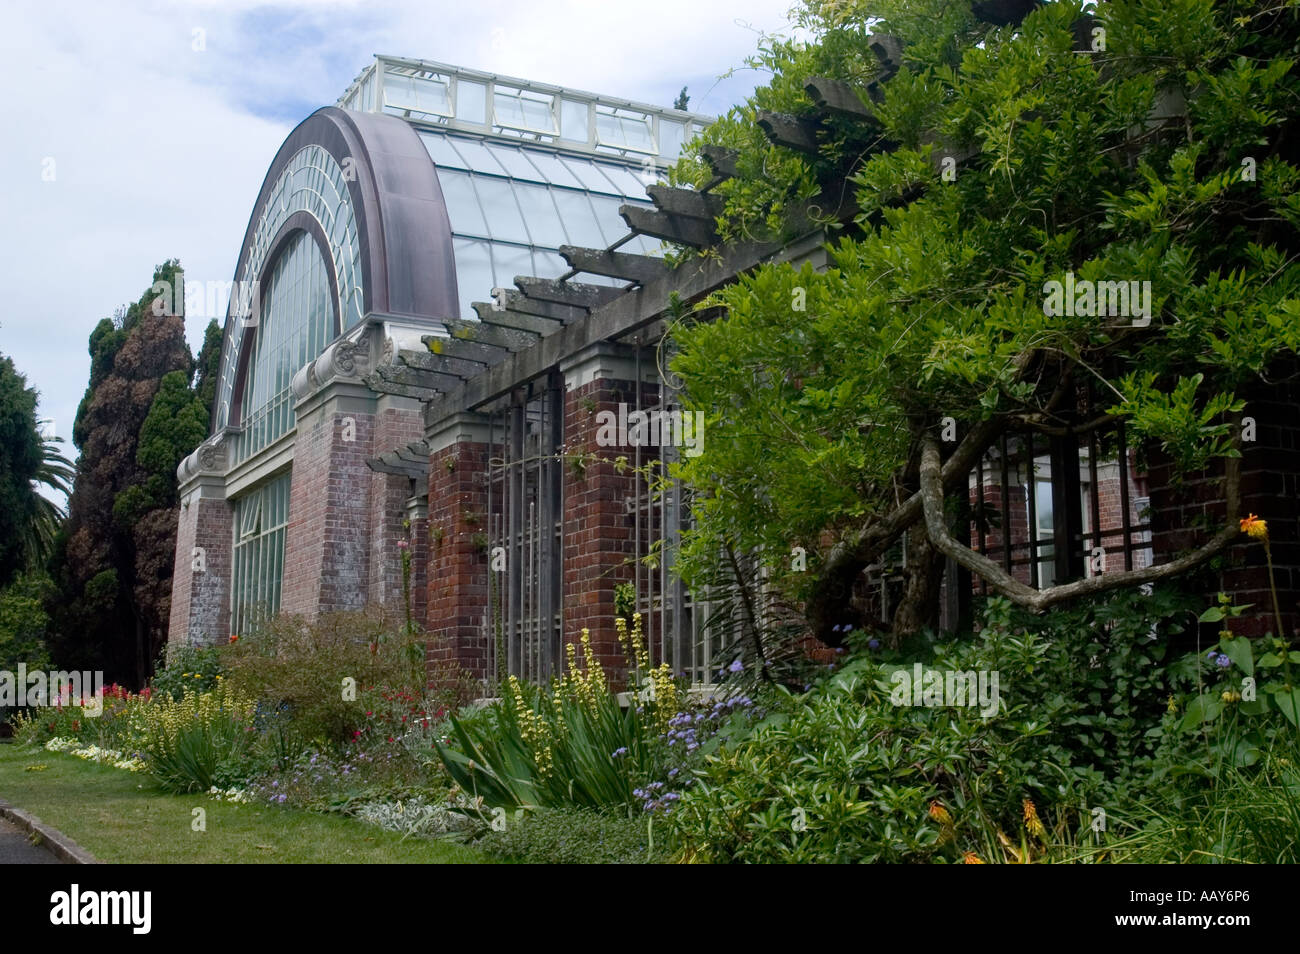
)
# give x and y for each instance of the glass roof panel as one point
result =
(473, 272)
(552, 169)
(462, 203)
(478, 157)
(497, 199)
(578, 219)
(515, 161)
(507, 262)
(607, 215)
(589, 174)
(444, 154)
(548, 264)
(627, 181)
(543, 220)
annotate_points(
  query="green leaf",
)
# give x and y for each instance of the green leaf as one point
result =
(1289, 703)
(1204, 708)
(1238, 650)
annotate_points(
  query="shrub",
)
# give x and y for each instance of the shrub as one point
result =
(571, 744)
(842, 773)
(189, 669)
(196, 742)
(573, 836)
(306, 668)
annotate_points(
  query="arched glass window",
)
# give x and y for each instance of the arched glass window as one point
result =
(297, 322)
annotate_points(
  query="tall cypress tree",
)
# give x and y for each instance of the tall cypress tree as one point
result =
(140, 417)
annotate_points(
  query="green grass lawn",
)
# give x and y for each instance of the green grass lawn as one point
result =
(119, 816)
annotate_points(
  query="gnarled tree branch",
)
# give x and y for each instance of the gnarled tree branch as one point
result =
(931, 493)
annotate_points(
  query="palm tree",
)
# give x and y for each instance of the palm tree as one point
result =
(55, 473)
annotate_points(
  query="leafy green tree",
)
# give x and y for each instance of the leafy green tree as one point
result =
(23, 621)
(27, 462)
(1164, 156)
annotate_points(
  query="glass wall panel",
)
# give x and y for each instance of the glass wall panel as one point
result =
(296, 322)
(258, 557)
(471, 101)
(523, 109)
(573, 120)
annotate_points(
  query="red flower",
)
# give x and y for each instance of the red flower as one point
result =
(234, 638)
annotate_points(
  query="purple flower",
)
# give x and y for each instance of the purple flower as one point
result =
(873, 644)
(620, 751)
(736, 666)
(1222, 661)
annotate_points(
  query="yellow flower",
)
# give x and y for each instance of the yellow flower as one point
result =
(1032, 822)
(1254, 527)
(940, 814)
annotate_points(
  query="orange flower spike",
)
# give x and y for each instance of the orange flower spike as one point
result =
(1032, 822)
(1254, 527)
(970, 858)
(940, 814)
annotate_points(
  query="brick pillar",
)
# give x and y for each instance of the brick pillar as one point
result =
(598, 545)
(398, 422)
(200, 610)
(457, 606)
(417, 513)
(327, 545)
(1270, 482)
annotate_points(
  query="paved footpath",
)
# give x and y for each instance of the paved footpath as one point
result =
(15, 849)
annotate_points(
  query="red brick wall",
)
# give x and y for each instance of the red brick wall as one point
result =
(327, 543)
(458, 564)
(598, 529)
(1270, 482)
(200, 609)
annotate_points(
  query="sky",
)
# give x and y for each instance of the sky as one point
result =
(135, 132)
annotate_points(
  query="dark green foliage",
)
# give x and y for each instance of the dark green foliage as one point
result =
(20, 462)
(573, 836)
(208, 365)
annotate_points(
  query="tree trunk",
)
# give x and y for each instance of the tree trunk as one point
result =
(919, 605)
